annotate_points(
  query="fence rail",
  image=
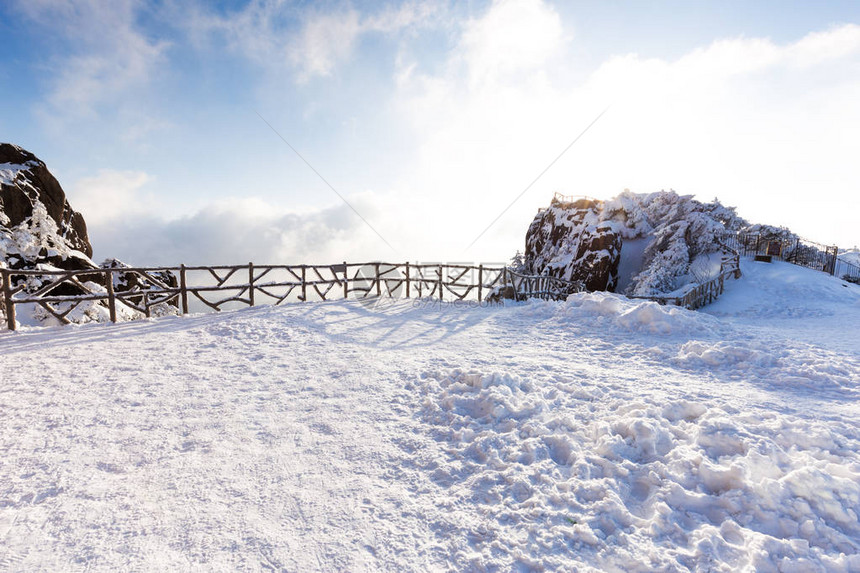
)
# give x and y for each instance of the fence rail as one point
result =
(707, 292)
(59, 292)
(561, 198)
(544, 287)
(846, 271)
(144, 291)
(797, 251)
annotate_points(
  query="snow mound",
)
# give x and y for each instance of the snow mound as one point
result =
(637, 485)
(787, 366)
(617, 312)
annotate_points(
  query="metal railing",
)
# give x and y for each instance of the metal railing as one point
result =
(796, 250)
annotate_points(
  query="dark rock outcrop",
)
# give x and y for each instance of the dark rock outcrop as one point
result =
(571, 242)
(39, 230)
(582, 239)
(28, 181)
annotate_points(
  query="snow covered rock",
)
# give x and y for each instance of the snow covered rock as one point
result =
(39, 230)
(584, 239)
(572, 242)
(25, 185)
(38, 227)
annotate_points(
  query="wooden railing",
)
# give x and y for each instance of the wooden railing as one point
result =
(543, 287)
(59, 292)
(795, 250)
(561, 198)
(707, 292)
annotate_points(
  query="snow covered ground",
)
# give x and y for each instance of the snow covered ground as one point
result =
(594, 434)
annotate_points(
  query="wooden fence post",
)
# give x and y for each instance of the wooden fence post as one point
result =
(251, 283)
(345, 281)
(480, 281)
(7, 299)
(420, 280)
(505, 281)
(378, 281)
(304, 285)
(183, 290)
(111, 295)
(407, 279)
(440, 282)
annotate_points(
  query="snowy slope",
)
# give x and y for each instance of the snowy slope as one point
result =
(594, 434)
(851, 256)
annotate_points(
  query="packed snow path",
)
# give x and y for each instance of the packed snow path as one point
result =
(595, 434)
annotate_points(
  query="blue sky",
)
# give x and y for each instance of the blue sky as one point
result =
(429, 118)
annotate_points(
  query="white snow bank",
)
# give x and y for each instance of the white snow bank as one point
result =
(559, 472)
(785, 291)
(783, 366)
(611, 311)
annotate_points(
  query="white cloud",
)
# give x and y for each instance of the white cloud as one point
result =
(514, 36)
(326, 39)
(817, 47)
(311, 42)
(86, 81)
(229, 231)
(768, 127)
(110, 196)
(106, 61)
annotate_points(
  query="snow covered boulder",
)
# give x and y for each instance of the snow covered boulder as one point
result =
(25, 183)
(39, 230)
(38, 227)
(643, 244)
(571, 241)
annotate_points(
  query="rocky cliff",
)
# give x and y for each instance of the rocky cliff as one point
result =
(664, 236)
(29, 193)
(572, 241)
(39, 230)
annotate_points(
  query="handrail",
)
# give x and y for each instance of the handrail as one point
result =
(59, 291)
(707, 292)
(541, 286)
(571, 198)
(795, 250)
